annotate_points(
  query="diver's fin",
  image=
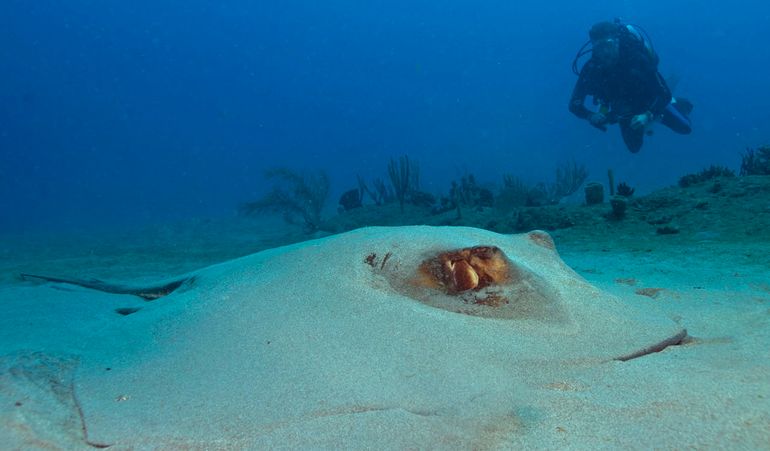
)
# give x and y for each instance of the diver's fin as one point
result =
(147, 293)
(683, 105)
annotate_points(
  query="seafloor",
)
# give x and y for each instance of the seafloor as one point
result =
(718, 215)
(701, 254)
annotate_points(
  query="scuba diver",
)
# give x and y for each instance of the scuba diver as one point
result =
(623, 79)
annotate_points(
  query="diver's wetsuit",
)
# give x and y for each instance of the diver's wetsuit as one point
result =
(632, 86)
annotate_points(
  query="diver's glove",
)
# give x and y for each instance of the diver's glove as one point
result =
(599, 121)
(640, 120)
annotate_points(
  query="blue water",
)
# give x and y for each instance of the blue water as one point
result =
(115, 113)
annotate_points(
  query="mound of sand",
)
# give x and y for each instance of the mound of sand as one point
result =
(331, 343)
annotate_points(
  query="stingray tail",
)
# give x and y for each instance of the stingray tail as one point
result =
(149, 293)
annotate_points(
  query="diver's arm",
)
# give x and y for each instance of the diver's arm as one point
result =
(579, 94)
(577, 104)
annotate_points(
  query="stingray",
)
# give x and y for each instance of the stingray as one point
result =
(380, 337)
(147, 293)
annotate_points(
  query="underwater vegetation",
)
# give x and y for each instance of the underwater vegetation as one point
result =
(709, 173)
(512, 206)
(570, 176)
(404, 178)
(466, 193)
(298, 197)
(756, 161)
(352, 199)
(380, 193)
(624, 190)
(620, 196)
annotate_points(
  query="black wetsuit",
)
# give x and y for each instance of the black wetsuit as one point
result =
(632, 86)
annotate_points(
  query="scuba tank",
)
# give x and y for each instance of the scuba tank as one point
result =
(640, 35)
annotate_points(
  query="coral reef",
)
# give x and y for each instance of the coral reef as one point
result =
(569, 178)
(594, 192)
(709, 173)
(756, 161)
(299, 197)
(625, 190)
(516, 206)
(619, 204)
(466, 194)
(469, 193)
(514, 193)
(351, 199)
(611, 179)
(379, 193)
(404, 177)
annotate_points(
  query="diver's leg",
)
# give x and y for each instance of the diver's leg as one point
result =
(634, 138)
(675, 120)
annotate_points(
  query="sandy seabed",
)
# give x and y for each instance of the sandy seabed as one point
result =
(710, 392)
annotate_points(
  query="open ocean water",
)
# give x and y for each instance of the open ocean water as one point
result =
(128, 113)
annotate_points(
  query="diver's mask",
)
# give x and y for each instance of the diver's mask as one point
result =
(606, 51)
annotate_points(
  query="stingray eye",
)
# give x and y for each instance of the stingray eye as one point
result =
(464, 277)
(483, 252)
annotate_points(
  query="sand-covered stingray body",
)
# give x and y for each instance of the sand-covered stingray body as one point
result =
(435, 332)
